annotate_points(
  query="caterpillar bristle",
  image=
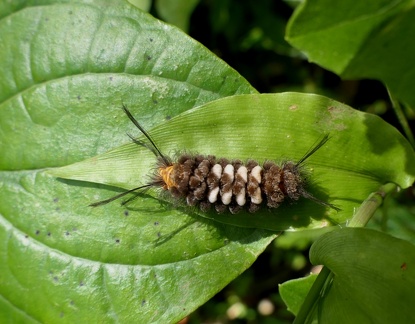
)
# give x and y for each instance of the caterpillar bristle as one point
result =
(208, 182)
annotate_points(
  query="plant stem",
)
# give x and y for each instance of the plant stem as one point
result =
(369, 206)
(310, 302)
(402, 119)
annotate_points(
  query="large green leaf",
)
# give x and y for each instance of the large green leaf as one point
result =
(367, 39)
(374, 277)
(66, 68)
(363, 153)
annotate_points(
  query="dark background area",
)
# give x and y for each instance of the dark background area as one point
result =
(249, 36)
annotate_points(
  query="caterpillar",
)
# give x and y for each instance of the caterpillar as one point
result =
(209, 182)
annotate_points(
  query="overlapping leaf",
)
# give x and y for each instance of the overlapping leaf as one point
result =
(368, 39)
(365, 285)
(362, 279)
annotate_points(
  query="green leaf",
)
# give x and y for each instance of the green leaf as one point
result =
(176, 12)
(82, 63)
(66, 68)
(356, 161)
(293, 292)
(374, 277)
(370, 39)
(144, 5)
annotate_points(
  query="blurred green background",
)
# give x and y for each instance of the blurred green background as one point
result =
(249, 36)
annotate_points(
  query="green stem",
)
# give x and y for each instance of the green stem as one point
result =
(402, 119)
(360, 219)
(370, 205)
(310, 302)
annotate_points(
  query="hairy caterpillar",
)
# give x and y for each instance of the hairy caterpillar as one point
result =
(207, 181)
